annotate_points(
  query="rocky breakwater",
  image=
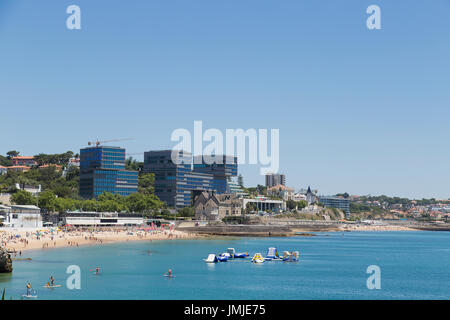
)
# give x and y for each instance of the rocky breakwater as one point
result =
(5, 261)
(242, 230)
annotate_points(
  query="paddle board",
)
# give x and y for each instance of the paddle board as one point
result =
(55, 286)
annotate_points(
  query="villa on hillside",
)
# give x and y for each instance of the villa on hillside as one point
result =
(19, 168)
(23, 161)
(74, 162)
(280, 191)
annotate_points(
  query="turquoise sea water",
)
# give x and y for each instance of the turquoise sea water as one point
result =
(414, 265)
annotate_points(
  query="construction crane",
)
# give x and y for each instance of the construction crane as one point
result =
(97, 143)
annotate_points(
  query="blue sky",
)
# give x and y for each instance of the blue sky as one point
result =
(359, 111)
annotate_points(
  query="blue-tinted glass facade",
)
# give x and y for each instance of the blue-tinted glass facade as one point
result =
(336, 202)
(224, 168)
(102, 157)
(174, 183)
(102, 169)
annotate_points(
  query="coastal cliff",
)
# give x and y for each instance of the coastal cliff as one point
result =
(5, 261)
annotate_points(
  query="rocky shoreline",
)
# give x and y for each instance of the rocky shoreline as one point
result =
(292, 229)
(5, 261)
(256, 231)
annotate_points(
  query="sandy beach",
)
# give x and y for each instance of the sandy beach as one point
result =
(19, 240)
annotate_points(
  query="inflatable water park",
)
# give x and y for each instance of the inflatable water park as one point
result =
(271, 255)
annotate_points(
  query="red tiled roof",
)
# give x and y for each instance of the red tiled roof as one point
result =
(280, 186)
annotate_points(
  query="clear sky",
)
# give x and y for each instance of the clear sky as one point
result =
(359, 111)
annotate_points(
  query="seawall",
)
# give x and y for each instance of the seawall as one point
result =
(259, 230)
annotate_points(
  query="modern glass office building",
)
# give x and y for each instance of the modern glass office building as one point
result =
(336, 202)
(102, 169)
(175, 182)
(223, 168)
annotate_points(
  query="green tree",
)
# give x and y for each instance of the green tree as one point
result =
(3, 188)
(108, 196)
(143, 203)
(12, 154)
(4, 161)
(186, 212)
(291, 204)
(146, 183)
(89, 205)
(58, 158)
(22, 197)
(137, 202)
(302, 204)
(262, 190)
(133, 164)
(73, 173)
(109, 206)
(62, 205)
(47, 201)
(343, 195)
(250, 207)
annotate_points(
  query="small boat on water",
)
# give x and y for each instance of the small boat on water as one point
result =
(212, 258)
(257, 258)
